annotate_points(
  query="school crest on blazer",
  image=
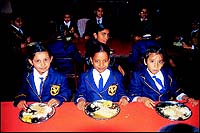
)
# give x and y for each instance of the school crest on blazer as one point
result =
(112, 89)
(54, 90)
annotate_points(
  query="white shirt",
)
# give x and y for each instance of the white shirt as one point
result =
(18, 29)
(37, 79)
(96, 76)
(100, 20)
(67, 24)
(158, 75)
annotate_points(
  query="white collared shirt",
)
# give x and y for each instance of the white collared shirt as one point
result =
(67, 24)
(37, 79)
(100, 20)
(96, 76)
(18, 29)
(158, 75)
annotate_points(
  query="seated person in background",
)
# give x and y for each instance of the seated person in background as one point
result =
(17, 38)
(190, 41)
(101, 34)
(90, 89)
(42, 83)
(98, 18)
(144, 26)
(68, 28)
(155, 82)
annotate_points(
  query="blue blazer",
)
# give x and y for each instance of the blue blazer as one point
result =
(55, 86)
(113, 90)
(141, 84)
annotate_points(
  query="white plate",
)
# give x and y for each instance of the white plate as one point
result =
(36, 113)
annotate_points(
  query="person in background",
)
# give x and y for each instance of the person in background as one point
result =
(68, 28)
(17, 37)
(42, 83)
(98, 18)
(193, 39)
(101, 34)
(112, 87)
(155, 82)
(144, 26)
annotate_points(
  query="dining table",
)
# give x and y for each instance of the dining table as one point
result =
(133, 117)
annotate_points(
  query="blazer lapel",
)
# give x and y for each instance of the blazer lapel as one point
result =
(150, 82)
(30, 79)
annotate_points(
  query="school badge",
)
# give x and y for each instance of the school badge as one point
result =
(112, 89)
(54, 90)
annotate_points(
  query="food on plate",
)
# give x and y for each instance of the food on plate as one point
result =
(173, 110)
(102, 109)
(176, 112)
(36, 112)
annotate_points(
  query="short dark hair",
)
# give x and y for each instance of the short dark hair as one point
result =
(100, 27)
(36, 47)
(155, 49)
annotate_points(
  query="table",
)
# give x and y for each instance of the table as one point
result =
(121, 49)
(132, 117)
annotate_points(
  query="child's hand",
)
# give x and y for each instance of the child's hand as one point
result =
(22, 105)
(147, 102)
(123, 101)
(53, 103)
(81, 104)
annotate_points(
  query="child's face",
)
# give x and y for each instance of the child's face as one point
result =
(99, 12)
(100, 61)
(67, 18)
(154, 62)
(41, 61)
(102, 36)
(18, 22)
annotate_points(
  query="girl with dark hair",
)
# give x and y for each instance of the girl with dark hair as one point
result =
(89, 88)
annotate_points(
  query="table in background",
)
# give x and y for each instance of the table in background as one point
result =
(121, 49)
(132, 117)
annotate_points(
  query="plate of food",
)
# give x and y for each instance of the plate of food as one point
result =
(36, 113)
(173, 110)
(102, 109)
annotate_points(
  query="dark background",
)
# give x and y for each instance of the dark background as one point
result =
(173, 15)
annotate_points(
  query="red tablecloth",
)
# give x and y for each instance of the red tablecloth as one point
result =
(132, 117)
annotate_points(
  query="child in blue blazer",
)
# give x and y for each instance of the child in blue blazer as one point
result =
(144, 87)
(88, 87)
(42, 83)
